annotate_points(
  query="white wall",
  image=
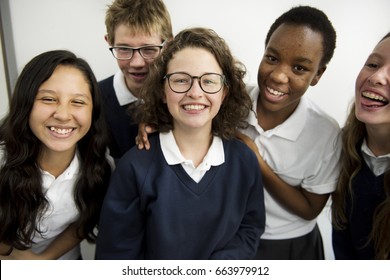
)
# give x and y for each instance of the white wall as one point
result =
(78, 25)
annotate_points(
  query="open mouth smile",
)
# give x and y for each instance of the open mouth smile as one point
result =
(194, 107)
(275, 92)
(375, 100)
(61, 131)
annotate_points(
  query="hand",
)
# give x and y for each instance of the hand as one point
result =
(142, 140)
(248, 141)
(22, 255)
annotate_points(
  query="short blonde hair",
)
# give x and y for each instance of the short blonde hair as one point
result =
(146, 16)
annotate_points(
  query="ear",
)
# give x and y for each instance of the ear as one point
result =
(225, 93)
(106, 38)
(164, 98)
(318, 76)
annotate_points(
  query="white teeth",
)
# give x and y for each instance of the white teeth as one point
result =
(62, 131)
(374, 96)
(194, 107)
(275, 92)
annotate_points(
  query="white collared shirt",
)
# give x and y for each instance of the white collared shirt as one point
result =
(302, 151)
(123, 94)
(378, 165)
(62, 210)
(214, 157)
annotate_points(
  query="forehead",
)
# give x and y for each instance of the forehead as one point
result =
(297, 40)
(383, 48)
(192, 59)
(127, 35)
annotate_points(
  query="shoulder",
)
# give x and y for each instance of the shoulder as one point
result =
(138, 157)
(106, 84)
(318, 117)
(253, 91)
(236, 149)
(109, 80)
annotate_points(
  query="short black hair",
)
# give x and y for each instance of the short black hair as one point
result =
(316, 20)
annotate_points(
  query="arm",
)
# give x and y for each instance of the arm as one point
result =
(245, 241)
(5, 251)
(60, 246)
(121, 226)
(296, 199)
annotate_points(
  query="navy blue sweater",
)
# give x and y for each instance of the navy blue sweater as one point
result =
(156, 211)
(352, 242)
(121, 126)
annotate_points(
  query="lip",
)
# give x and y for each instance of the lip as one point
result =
(274, 95)
(138, 76)
(372, 100)
(193, 108)
(61, 131)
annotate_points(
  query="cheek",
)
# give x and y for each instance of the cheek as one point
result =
(123, 64)
(84, 118)
(359, 81)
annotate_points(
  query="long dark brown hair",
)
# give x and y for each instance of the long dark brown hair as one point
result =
(22, 201)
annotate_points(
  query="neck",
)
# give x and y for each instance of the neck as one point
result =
(268, 119)
(194, 145)
(378, 140)
(55, 162)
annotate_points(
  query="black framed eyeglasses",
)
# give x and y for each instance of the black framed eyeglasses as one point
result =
(181, 82)
(126, 53)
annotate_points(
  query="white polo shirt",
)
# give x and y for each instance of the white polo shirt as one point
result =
(303, 151)
(62, 210)
(214, 157)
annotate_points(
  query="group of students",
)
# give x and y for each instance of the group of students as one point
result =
(174, 157)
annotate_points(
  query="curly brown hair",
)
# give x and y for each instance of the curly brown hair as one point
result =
(236, 105)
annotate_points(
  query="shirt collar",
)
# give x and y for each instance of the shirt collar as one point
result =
(123, 94)
(291, 128)
(70, 171)
(215, 155)
(366, 150)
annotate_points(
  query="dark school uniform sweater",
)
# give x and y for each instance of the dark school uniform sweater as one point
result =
(120, 124)
(156, 211)
(368, 193)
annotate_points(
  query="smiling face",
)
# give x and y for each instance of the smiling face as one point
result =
(194, 109)
(372, 89)
(62, 110)
(291, 63)
(136, 69)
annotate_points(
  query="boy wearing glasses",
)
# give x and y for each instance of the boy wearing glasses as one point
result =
(136, 33)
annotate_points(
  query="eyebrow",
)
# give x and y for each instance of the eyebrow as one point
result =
(300, 59)
(88, 96)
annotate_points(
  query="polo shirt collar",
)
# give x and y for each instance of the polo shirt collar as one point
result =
(123, 94)
(289, 129)
(215, 156)
(71, 171)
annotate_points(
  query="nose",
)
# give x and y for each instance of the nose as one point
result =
(279, 74)
(195, 90)
(62, 113)
(137, 60)
(380, 77)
